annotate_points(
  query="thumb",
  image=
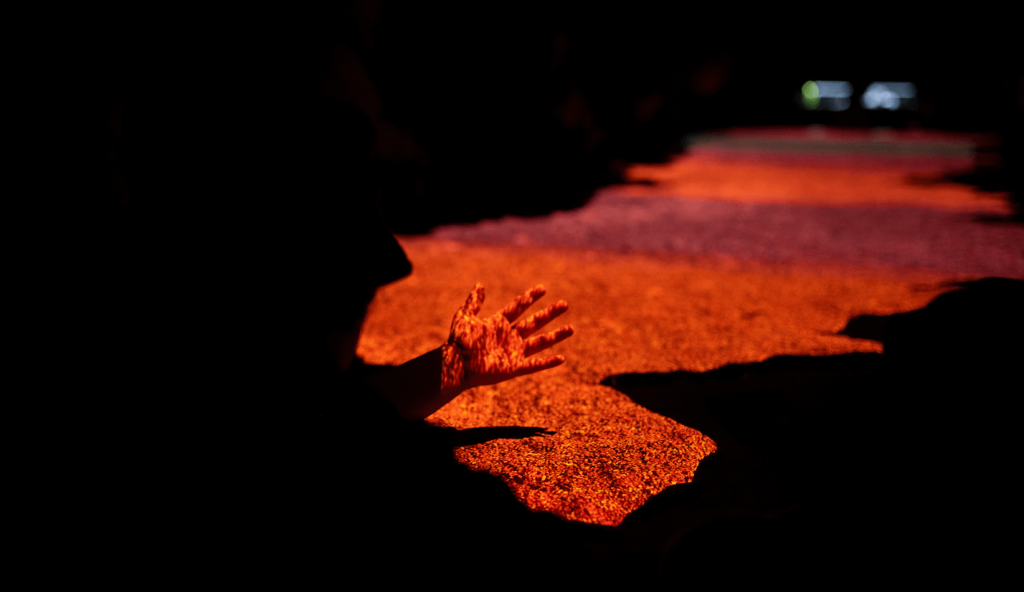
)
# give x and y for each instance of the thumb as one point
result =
(475, 300)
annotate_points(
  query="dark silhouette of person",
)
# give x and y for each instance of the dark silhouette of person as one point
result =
(225, 425)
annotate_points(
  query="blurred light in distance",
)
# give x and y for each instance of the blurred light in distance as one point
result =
(810, 94)
(890, 96)
(827, 95)
(835, 89)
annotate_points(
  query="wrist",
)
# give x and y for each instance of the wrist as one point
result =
(453, 371)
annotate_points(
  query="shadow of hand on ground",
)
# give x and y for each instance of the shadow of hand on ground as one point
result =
(470, 436)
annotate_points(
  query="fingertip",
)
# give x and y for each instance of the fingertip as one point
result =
(475, 298)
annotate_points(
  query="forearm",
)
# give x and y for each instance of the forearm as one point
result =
(421, 386)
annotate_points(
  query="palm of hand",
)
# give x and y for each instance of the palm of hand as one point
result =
(489, 350)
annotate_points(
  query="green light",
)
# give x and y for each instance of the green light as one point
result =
(810, 93)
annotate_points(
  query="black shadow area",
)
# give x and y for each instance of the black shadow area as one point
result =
(842, 464)
(471, 436)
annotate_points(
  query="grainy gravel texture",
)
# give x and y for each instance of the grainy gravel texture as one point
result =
(918, 184)
(757, 244)
(632, 313)
(897, 237)
(790, 195)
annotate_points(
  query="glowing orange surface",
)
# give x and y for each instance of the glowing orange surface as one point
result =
(699, 177)
(632, 313)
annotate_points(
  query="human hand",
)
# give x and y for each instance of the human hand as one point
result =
(490, 350)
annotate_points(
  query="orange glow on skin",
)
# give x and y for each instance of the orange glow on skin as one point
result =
(489, 350)
(632, 313)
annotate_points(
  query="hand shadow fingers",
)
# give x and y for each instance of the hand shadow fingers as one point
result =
(542, 342)
(530, 325)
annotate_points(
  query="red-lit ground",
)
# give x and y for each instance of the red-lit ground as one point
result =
(637, 312)
(632, 313)
(810, 185)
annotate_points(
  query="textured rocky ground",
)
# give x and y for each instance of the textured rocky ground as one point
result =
(684, 294)
(633, 313)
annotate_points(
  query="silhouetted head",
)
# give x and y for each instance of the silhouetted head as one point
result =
(365, 257)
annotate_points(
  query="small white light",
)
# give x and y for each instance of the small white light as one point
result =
(887, 95)
(834, 89)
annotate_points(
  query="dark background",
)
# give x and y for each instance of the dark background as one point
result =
(183, 162)
(480, 111)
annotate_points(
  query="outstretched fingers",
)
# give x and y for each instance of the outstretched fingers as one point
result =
(534, 322)
(475, 300)
(531, 366)
(542, 342)
(522, 302)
